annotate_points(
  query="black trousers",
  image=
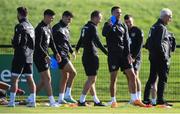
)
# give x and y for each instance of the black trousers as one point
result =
(158, 68)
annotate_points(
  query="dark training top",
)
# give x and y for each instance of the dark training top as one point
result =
(23, 41)
(43, 40)
(136, 42)
(116, 38)
(61, 36)
(90, 40)
(159, 42)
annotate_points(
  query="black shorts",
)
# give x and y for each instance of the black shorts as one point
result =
(91, 65)
(137, 65)
(19, 68)
(64, 61)
(41, 64)
(116, 61)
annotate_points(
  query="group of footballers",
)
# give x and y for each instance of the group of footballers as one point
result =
(124, 43)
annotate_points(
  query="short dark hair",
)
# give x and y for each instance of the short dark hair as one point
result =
(67, 13)
(22, 11)
(49, 12)
(95, 13)
(114, 8)
(127, 16)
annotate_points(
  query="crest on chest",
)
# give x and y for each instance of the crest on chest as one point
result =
(133, 34)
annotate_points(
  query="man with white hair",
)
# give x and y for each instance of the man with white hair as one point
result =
(160, 43)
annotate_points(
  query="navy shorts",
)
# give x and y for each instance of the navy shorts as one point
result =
(19, 68)
(64, 61)
(41, 64)
(116, 61)
(91, 65)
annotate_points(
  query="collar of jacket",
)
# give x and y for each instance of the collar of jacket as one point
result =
(118, 22)
(90, 22)
(22, 20)
(43, 23)
(62, 23)
(160, 21)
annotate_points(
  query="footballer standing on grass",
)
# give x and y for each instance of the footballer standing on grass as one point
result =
(90, 41)
(23, 44)
(136, 43)
(61, 34)
(44, 40)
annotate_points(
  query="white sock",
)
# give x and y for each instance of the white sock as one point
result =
(153, 101)
(68, 92)
(113, 99)
(82, 98)
(96, 100)
(139, 95)
(61, 97)
(32, 97)
(134, 96)
(51, 99)
(12, 97)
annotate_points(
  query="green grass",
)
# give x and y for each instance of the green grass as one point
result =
(123, 108)
(145, 13)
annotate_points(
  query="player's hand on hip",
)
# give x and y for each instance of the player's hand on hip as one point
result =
(130, 59)
(48, 59)
(58, 58)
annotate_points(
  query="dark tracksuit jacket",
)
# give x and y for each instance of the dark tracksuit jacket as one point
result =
(136, 42)
(90, 40)
(23, 42)
(44, 39)
(159, 42)
(116, 38)
(61, 36)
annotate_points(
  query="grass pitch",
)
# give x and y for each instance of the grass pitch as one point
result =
(123, 108)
